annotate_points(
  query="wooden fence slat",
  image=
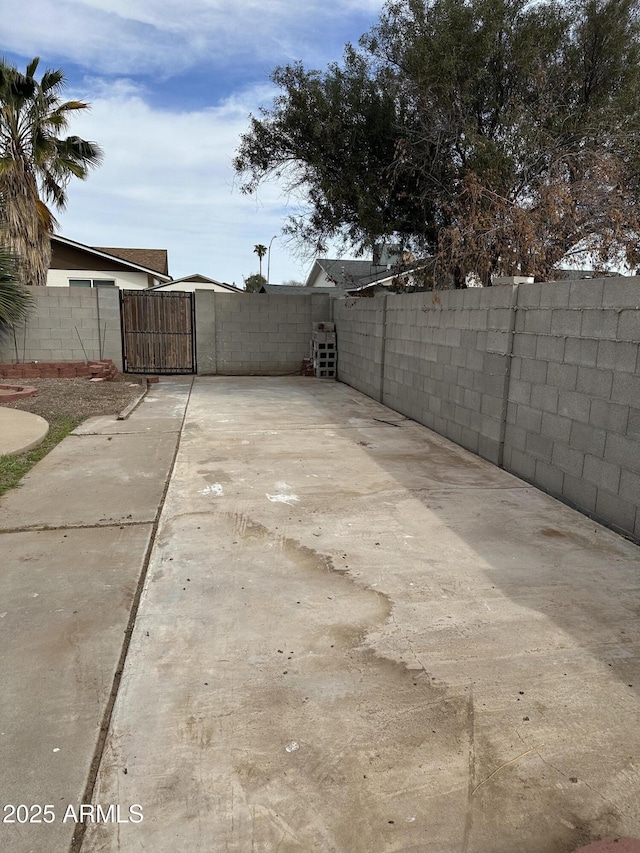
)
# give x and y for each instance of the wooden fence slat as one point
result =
(157, 332)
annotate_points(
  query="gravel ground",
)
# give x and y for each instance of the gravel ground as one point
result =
(76, 398)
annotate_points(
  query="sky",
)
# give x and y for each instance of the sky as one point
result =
(171, 84)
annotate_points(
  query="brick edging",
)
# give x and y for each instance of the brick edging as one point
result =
(100, 369)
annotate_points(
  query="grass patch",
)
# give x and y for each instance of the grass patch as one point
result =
(14, 466)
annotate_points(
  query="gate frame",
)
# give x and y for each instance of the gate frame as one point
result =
(192, 313)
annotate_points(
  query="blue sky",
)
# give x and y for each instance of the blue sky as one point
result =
(171, 84)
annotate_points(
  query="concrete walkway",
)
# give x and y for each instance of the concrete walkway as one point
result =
(73, 547)
(353, 636)
(20, 431)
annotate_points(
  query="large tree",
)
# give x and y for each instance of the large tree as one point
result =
(505, 137)
(36, 162)
(15, 300)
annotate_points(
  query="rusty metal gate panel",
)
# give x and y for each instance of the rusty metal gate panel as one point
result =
(157, 332)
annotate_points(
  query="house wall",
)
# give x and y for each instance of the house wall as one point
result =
(73, 323)
(125, 280)
(255, 333)
(542, 379)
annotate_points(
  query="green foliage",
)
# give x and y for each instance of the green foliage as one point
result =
(254, 282)
(15, 300)
(498, 135)
(37, 161)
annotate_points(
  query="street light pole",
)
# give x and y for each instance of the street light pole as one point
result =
(269, 257)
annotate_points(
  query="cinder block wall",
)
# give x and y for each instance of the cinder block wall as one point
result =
(360, 343)
(446, 363)
(68, 323)
(257, 333)
(542, 379)
(573, 420)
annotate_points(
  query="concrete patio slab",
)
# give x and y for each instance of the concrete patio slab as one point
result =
(357, 637)
(64, 612)
(93, 479)
(20, 431)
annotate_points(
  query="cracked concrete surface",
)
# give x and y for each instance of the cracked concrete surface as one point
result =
(355, 636)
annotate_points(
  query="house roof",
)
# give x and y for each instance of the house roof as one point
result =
(153, 259)
(346, 273)
(353, 276)
(198, 278)
(73, 247)
(301, 290)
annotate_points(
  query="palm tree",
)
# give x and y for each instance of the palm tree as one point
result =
(15, 300)
(260, 251)
(36, 163)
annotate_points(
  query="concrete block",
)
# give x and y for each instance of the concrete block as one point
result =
(487, 383)
(562, 376)
(567, 459)
(582, 351)
(462, 416)
(586, 294)
(491, 428)
(629, 325)
(555, 426)
(492, 406)
(626, 389)
(602, 474)
(470, 439)
(633, 428)
(538, 321)
(529, 295)
(623, 451)
(615, 511)
(548, 477)
(523, 465)
(573, 405)
(599, 323)
(630, 487)
(587, 439)
(520, 391)
(544, 397)
(621, 292)
(579, 492)
(528, 418)
(534, 371)
(489, 449)
(555, 294)
(549, 348)
(595, 382)
(609, 416)
(540, 446)
(515, 437)
(500, 318)
(565, 322)
(498, 342)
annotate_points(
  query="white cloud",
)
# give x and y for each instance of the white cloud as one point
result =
(167, 182)
(165, 37)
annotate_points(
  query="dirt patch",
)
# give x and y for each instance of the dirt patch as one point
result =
(78, 398)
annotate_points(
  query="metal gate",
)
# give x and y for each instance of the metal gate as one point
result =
(157, 332)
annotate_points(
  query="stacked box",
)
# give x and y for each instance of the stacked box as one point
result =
(324, 354)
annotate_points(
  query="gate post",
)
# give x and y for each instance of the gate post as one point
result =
(205, 332)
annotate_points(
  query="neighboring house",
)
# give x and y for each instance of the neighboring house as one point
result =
(76, 265)
(301, 290)
(195, 282)
(363, 278)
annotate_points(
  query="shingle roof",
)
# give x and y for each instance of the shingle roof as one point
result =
(152, 259)
(300, 290)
